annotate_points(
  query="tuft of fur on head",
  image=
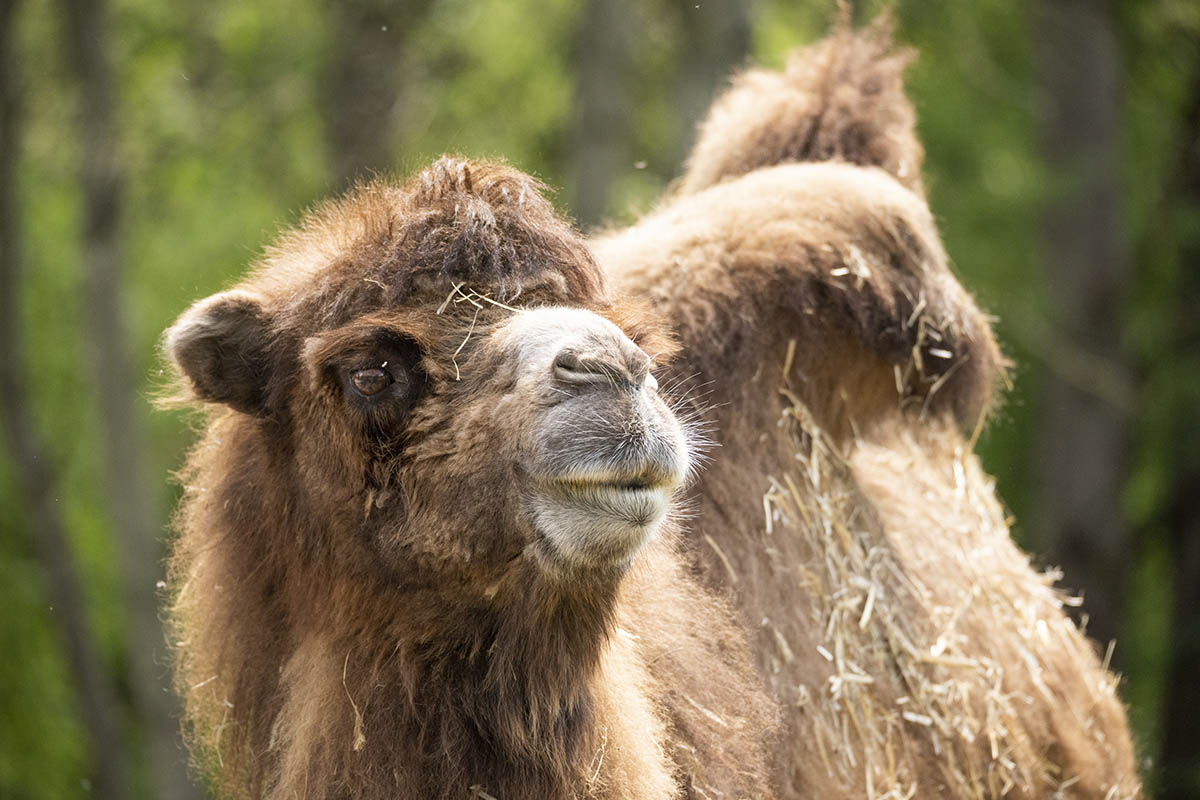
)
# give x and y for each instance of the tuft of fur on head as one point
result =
(841, 99)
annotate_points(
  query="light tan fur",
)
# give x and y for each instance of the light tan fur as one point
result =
(912, 648)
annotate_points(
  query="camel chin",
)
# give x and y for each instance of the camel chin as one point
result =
(598, 525)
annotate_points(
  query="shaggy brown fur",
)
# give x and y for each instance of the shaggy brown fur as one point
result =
(912, 647)
(361, 609)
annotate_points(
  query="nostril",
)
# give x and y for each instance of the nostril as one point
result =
(570, 367)
(568, 362)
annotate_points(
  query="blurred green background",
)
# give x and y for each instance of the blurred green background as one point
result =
(149, 150)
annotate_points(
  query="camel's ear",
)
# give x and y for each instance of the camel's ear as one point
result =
(221, 345)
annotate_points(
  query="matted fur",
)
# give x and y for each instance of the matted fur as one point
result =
(840, 99)
(843, 528)
(913, 648)
(355, 615)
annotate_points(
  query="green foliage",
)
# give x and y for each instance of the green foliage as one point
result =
(494, 84)
(42, 748)
(223, 139)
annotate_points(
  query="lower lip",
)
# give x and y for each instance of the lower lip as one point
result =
(639, 505)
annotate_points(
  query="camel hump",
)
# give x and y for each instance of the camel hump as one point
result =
(840, 99)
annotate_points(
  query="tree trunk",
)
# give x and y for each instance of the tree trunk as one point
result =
(34, 473)
(1082, 445)
(134, 519)
(1179, 767)
(1180, 762)
(600, 139)
(367, 82)
(716, 40)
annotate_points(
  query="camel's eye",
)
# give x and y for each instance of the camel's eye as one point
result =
(368, 382)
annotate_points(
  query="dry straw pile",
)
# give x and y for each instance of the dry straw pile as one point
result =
(938, 636)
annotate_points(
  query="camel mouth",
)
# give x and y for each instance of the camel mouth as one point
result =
(646, 481)
(603, 476)
(602, 519)
(637, 501)
(636, 494)
(654, 467)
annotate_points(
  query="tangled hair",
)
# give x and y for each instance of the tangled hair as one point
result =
(345, 624)
(437, 538)
(912, 646)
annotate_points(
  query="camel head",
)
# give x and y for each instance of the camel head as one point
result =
(440, 390)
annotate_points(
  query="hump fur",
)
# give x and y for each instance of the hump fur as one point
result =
(841, 99)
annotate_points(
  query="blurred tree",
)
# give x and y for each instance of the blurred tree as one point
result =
(601, 132)
(234, 115)
(1081, 448)
(135, 521)
(682, 51)
(716, 41)
(33, 466)
(1180, 767)
(368, 85)
(1162, 616)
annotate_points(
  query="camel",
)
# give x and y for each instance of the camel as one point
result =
(456, 528)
